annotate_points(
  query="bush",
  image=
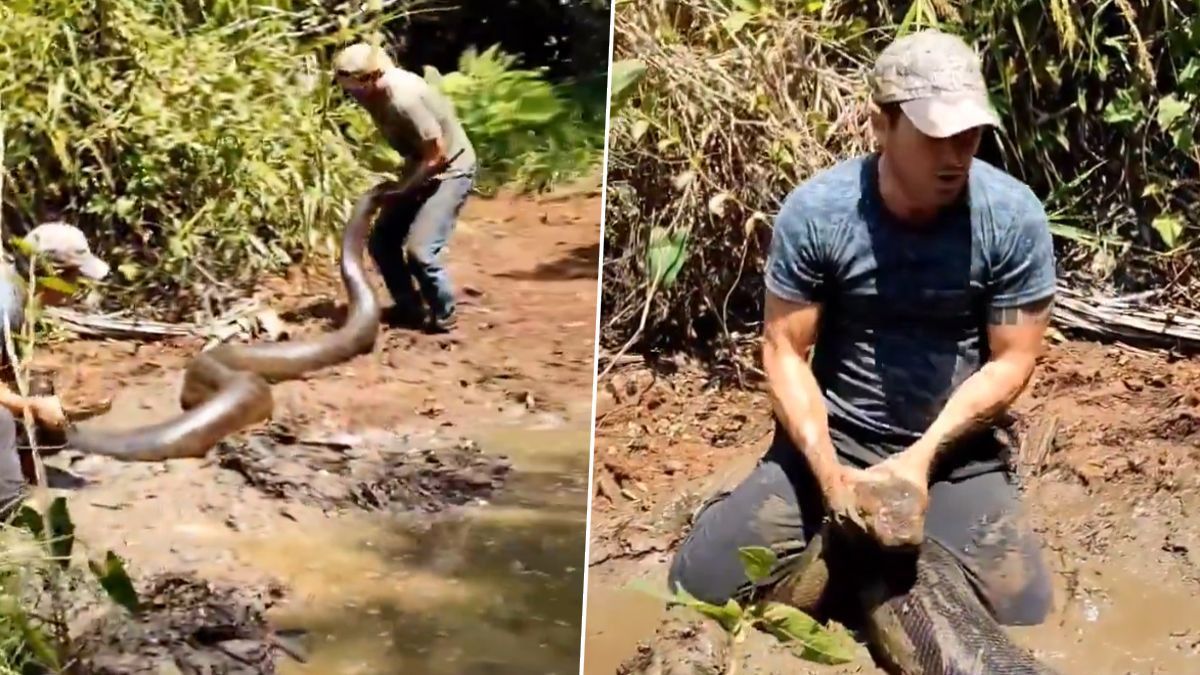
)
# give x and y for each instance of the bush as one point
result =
(191, 150)
(742, 99)
(201, 144)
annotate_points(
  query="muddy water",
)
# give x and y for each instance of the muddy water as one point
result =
(1130, 614)
(494, 588)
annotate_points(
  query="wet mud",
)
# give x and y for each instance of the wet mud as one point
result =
(370, 471)
(287, 519)
(1106, 452)
(185, 626)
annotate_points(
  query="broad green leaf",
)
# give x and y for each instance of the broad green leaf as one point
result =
(115, 581)
(758, 561)
(626, 73)
(736, 21)
(730, 615)
(808, 639)
(1169, 227)
(665, 255)
(640, 128)
(751, 6)
(62, 531)
(1171, 109)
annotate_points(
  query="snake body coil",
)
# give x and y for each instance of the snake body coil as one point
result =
(228, 387)
(920, 612)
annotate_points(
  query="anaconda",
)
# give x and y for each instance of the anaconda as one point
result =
(920, 613)
(227, 387)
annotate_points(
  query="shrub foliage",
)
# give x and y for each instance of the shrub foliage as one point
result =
(203, 143)
(741, 99)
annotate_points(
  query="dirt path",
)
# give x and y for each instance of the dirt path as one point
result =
(402, 424)
(1113, 496)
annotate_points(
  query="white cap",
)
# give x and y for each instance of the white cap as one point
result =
(67, 247)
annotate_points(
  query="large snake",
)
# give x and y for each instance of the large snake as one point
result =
(921, 615)
(227, 387)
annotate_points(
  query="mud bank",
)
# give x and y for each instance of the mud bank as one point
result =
(1108, 442)
(371, 471)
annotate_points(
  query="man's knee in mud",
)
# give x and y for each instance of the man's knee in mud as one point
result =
(1015, 582)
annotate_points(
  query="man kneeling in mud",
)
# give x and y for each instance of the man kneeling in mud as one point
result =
(412, 231)
(923, 279)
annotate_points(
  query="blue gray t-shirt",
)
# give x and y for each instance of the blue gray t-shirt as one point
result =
(905, 308)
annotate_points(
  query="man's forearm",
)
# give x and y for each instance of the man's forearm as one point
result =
(977, 403)
(797, 401)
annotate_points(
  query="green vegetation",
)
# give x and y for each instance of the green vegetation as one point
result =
(741, 99)
(202, 143)
(829, 644)
(37, 579)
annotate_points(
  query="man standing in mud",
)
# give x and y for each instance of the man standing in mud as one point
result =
(412, 230)
(921, 279)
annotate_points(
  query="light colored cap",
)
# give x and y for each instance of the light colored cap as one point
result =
(360, 58)
(938, 81)
(67, 247)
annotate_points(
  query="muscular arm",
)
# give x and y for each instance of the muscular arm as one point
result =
(789, 334)
(1015, 336)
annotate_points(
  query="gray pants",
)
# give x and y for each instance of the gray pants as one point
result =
(779, 506)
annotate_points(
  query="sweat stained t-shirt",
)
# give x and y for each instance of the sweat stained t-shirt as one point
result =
(905, 308)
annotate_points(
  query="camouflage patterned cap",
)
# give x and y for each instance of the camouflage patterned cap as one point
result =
(938, 81)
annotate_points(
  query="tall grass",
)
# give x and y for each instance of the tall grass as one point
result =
(742, 99)
(201, 144)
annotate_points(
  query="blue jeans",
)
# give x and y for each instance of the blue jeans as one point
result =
(407, 241)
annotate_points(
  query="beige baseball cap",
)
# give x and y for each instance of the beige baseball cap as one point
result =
(66, 246)
(361, 58)
(938, 81)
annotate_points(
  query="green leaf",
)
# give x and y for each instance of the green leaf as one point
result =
(653, 590)
(758, 561)
(730, 615)
(751, 6)
(57, 284)
(625, 75)
(808, 639)
(62, 531)
(1169, 227)
(1171, 109)
(116, 582)
(665, 254)
(736, 21)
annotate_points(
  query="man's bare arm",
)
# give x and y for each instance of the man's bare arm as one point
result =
(789, 334)
(1015, 337)
(44, 408)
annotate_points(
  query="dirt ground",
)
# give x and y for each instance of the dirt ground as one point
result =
(385, 430)
(1112, 492)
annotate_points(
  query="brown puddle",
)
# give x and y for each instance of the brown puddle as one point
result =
(453, 593)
